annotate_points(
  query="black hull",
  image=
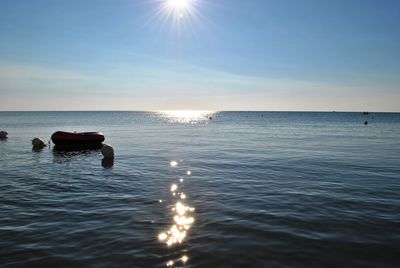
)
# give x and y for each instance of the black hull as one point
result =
(77, 147)
(63, 138)
(75, 143)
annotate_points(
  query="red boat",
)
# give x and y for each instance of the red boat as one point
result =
(75, 139)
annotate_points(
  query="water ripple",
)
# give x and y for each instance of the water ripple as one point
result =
(269, 190)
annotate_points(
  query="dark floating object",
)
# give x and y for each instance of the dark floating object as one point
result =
(82, 139)
(77, 148)
(365, 122)
(210, 117)
(37, 149)
(365, 113)
(3, 134)
(107, 162)
(38, 144)
(107, 151)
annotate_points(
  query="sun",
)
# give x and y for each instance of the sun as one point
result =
(178, 5)
(181, 15)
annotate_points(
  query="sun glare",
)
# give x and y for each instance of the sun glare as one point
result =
(179, 8)
(178, 4)
(187, 117)
(185, 17)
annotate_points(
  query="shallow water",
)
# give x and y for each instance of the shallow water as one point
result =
(265, 189)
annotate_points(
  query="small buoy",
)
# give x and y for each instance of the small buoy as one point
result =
(107, 151)
(38, 143)
(365, 122)
(3, 134)
(107, 162)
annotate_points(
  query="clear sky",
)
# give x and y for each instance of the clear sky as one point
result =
(341, 55)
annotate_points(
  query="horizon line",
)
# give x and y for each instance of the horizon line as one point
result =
(211, 111)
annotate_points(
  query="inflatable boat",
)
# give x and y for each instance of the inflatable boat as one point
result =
(62, 138)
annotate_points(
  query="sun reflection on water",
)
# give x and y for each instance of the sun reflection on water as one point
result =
(182, 221)
(187, 117)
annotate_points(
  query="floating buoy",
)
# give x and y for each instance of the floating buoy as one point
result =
(107, 151)
(365, 122)
(38, 143)
(3, 134)
(107, 162)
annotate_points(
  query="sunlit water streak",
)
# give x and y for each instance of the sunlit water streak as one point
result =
(187, 117)
(182, 221)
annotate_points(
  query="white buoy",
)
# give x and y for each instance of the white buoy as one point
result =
(107, 151)
(38, 143)
(3, 134)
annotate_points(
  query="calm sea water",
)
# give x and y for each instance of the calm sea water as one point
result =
(244, 189)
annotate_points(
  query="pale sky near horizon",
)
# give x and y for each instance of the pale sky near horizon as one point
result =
(310, 55)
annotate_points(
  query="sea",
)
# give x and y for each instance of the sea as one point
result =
(202, 189)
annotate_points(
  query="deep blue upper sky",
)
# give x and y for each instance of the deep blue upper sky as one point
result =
(221, 54)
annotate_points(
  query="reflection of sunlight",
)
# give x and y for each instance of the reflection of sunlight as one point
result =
(184, 258)
(185, 117)
(182, 221)
(174, 187)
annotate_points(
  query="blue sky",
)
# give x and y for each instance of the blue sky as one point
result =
(218, 55)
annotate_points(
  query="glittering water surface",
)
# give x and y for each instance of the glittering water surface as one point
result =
(202, 189)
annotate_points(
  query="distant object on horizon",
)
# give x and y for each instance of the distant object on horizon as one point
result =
(62, 138)
(366, 113)
(3, 134)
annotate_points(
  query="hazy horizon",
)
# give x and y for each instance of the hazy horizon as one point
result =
(208, 111)
(200, 55)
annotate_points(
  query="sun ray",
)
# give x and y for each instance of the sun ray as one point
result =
(180, 21)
